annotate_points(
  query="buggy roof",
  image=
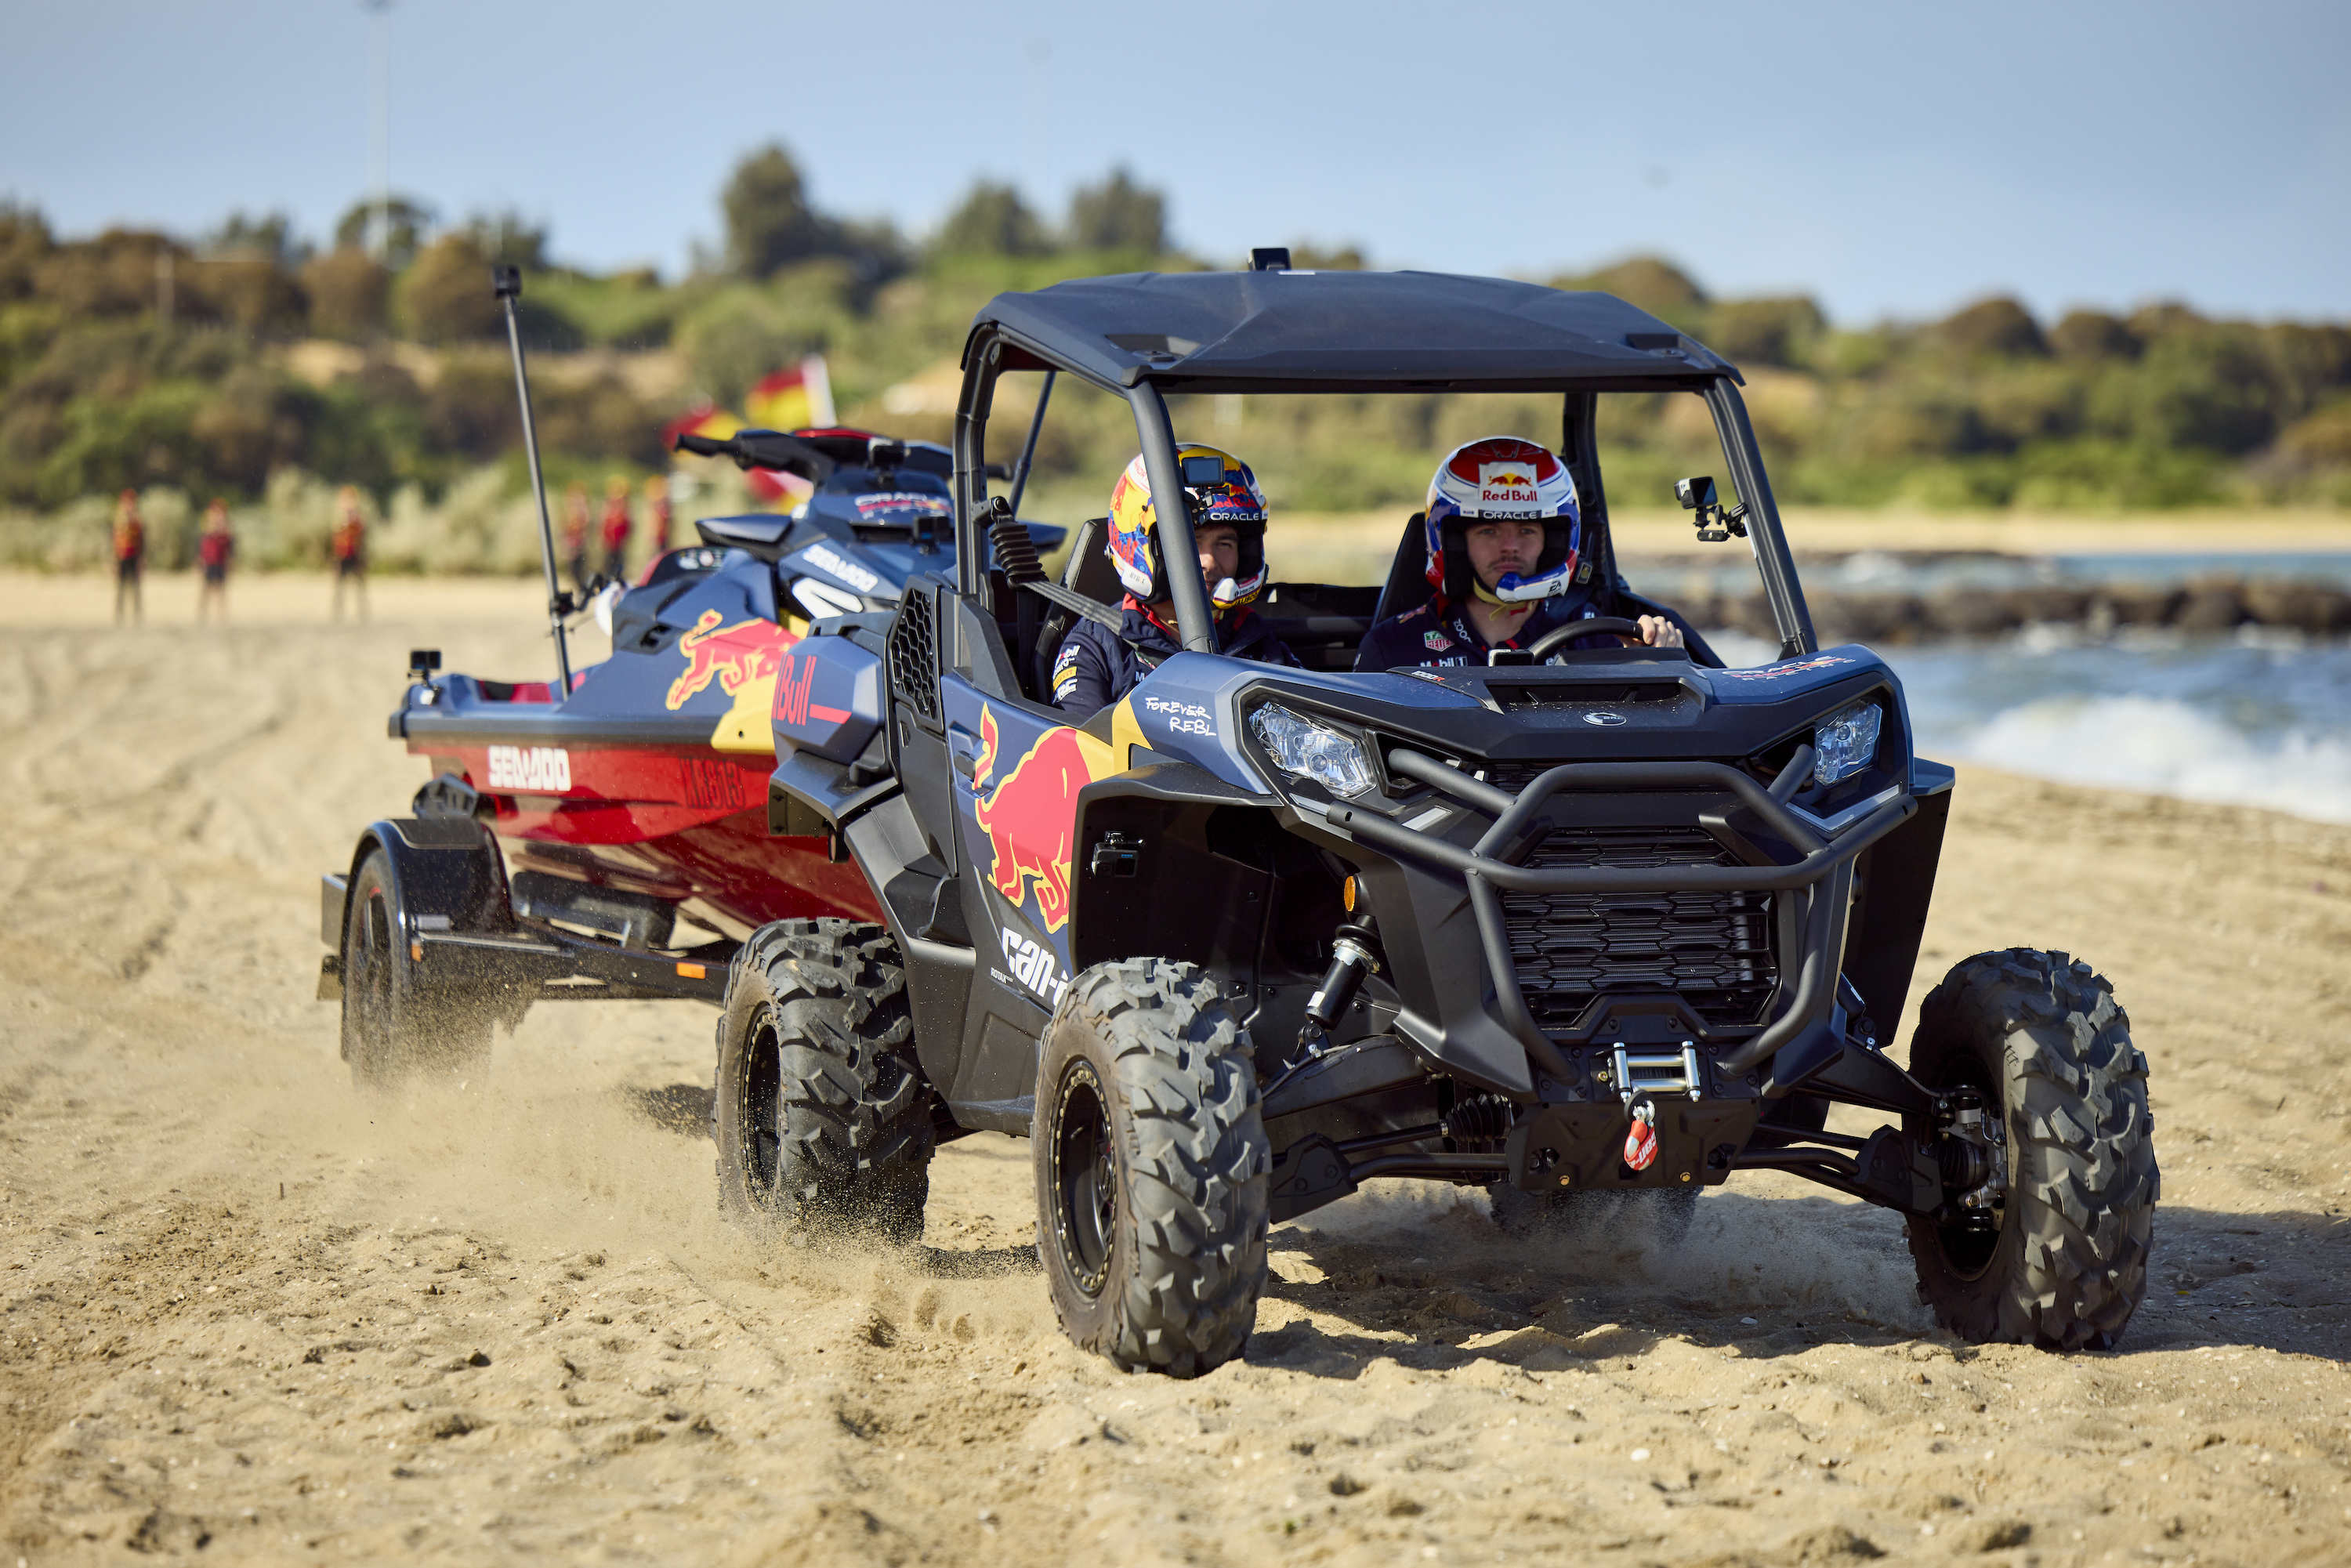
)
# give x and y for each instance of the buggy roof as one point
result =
(1343, 331)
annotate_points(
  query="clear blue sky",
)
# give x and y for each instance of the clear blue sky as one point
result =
(1891, 160)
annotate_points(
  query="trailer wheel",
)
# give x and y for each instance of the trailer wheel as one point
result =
(2066, 1263)
(823, 1114)
(1594, 1217)
(1152, 1170)
(394, 1024)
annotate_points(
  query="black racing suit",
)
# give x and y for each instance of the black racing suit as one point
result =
(1442, 633)
(1096, 666)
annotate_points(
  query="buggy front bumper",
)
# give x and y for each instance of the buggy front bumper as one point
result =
(1821, 876)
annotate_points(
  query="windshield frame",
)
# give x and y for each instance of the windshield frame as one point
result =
(994, 349)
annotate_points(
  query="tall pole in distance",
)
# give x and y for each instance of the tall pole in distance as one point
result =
(380, 124)
(508, 283)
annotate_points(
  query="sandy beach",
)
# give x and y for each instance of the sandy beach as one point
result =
(247, 1314)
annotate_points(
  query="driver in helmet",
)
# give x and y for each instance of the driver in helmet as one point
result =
(1505, 562)
(1096, 666)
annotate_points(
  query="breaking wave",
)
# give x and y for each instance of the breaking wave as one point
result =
(2261, 719)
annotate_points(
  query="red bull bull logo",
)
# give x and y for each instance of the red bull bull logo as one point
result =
(1030, 816)
(734, 656)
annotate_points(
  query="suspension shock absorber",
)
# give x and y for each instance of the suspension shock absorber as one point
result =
(1351, 957)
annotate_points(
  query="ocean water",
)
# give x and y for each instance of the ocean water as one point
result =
(2261, 718)
(1926, 572)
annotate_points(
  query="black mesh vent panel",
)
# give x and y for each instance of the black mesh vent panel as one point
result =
(913, 657)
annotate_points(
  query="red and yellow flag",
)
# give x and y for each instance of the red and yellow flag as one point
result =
(796, 399)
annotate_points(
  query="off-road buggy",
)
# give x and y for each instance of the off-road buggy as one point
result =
(1578, 928)
(615, 840)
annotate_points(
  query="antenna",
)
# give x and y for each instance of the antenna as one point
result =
(506, 282)
(1029, 447)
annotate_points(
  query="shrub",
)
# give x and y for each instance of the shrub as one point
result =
(2322, 439)
(1765, 331)
(446, 296)
(1993, 329)
(770, 222)
(1652, 283)
(407, 219)
(1116, 214)
(253, 293)
(991, 220)
(350, 295)
(2093, 335)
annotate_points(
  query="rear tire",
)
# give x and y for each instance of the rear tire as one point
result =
(823, 1115)
(2067, 1267)
(394, 1025)
(1152, 1170)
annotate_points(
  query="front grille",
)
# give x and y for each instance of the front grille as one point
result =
(1714, 950)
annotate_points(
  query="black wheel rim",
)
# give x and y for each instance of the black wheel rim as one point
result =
(763, 1110)
(1968, 1250)
(1085, 1179)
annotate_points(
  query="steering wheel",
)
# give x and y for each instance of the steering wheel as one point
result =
(1597, 626)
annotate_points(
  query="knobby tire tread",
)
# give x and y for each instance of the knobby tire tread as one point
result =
(1197, 1167)
(2071, 1265)
(857, 1134)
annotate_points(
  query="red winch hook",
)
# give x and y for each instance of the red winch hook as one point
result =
(1641, 1139)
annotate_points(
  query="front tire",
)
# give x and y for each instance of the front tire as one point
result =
(1152, 1170)
(823, 1114)
(2066, 1264)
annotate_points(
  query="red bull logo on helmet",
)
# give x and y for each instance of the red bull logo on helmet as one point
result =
(1506, 485)
(1028, 812)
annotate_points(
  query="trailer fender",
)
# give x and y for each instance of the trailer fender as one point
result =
(445, 872)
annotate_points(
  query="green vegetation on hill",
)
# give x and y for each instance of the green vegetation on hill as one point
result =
(226, 365)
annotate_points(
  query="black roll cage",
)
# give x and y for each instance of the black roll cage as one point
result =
(994, 348)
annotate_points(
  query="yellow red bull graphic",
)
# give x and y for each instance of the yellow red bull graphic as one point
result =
(743, 659)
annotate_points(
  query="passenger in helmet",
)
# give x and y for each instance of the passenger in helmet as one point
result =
(1096, 666)
(1506, 564)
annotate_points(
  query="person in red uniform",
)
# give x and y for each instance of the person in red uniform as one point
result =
(575, 533)
(215, 548)
(658, 514)
(618, 525)
(130, 557)
(349, 546)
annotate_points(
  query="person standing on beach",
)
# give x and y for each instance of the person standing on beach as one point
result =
(215, 548)
(351, 552)
(575, 533)
(130, 557)
(618, 525)
(658, 514)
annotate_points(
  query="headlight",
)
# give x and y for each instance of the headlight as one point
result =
(1301, 746)
(1845, 742)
